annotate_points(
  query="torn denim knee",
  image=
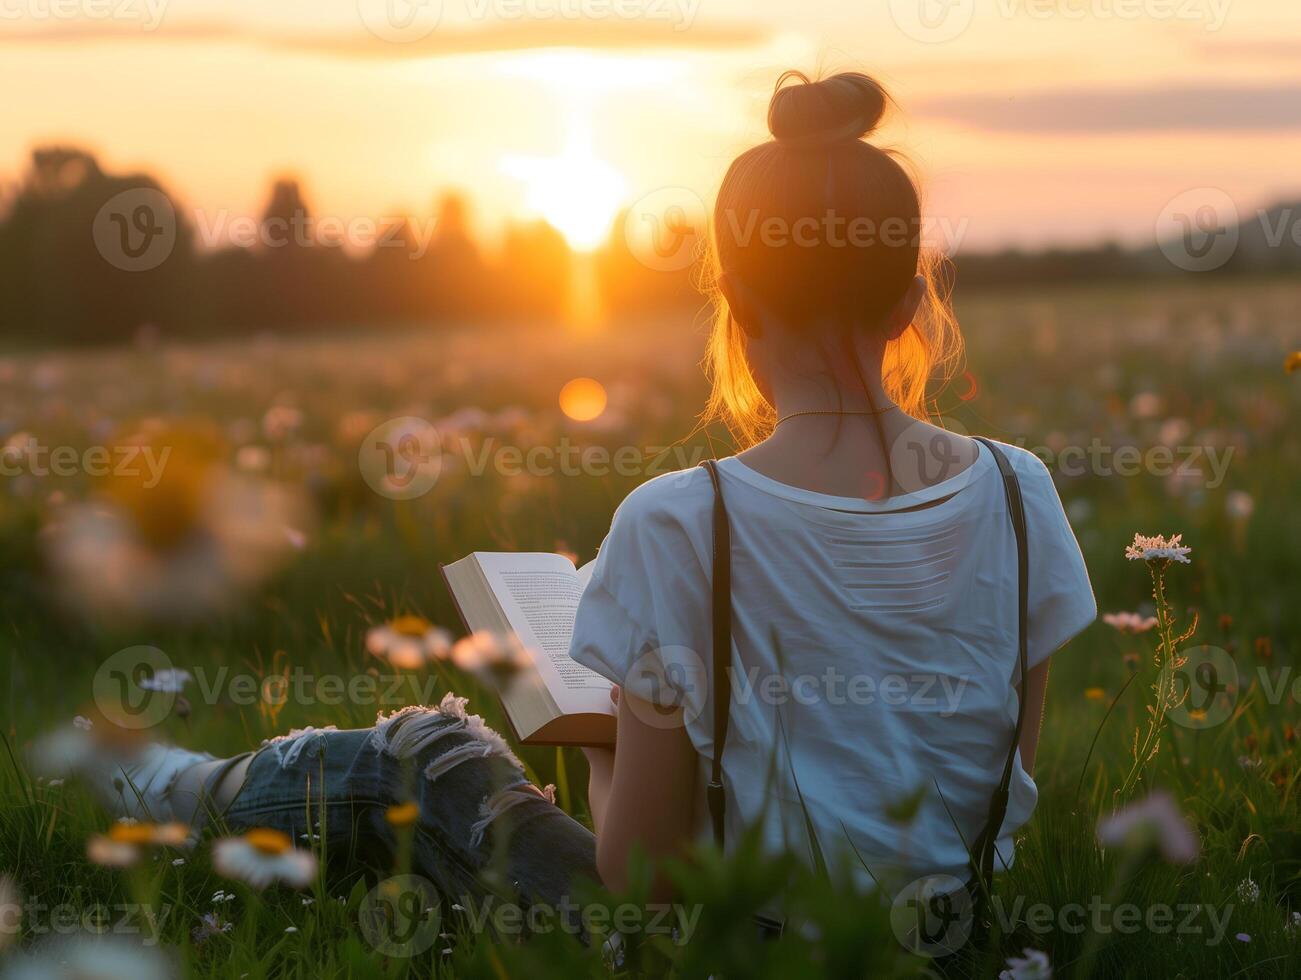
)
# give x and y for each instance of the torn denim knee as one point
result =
(290, 746)
(411, 730)
(503, 800)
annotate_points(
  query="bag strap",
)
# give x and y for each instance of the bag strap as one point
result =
(984, 847)
(722, 650)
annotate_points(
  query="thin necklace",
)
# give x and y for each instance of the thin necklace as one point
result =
(795, 415)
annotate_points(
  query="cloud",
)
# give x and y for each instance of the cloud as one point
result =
(620, 35)
(1092, 112)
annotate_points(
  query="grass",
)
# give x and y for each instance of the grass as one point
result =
(1189, 365)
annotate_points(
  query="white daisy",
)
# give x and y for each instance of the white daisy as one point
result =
(100, 957)
(262, 857)
(485, 652)
(409, 642)
(1034, 965)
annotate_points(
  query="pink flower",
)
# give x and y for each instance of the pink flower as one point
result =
(1158, 548)
(1129, 622)
(1155, 820)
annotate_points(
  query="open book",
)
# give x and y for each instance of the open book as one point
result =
(556, 700)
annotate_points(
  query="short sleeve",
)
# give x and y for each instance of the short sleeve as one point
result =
(1061, 598)
(643, 619)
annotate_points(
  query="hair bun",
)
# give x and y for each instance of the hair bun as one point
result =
(843, 107)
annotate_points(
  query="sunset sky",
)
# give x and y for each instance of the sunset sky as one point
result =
(1037, 121)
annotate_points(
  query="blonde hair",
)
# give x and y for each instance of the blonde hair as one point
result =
(818, 166)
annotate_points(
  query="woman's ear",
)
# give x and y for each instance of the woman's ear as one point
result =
(905, 311)
(742, 305)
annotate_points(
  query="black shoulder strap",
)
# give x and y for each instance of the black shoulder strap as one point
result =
(983, 848)
(722, 650)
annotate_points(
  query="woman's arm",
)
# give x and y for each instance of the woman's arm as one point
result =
(1035, 692)
(643, 794)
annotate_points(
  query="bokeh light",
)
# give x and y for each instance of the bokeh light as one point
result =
(582, 399)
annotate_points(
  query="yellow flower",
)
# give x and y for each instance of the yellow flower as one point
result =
(402, 815)
(1095, 693)
(1292, 362)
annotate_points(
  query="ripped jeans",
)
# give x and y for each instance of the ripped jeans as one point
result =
(480, 825)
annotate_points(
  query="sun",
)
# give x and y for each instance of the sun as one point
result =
(576, 192)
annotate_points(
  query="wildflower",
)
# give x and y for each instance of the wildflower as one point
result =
(1292, 927)
(261, 857)
(85, 724)
(1248, 890)
(281, 421)
(169, 680)
(172, 834)
(1292, 362)
(174, 540)
(1129, 622)
(1158, 548)
(1095, 693)
(1154, 820)
(402, 815)
(1239, 504)
(211, 925)
(11, 910)
(1247, 762)
(109, 853)
(98, 956)
(485, 652)
(1243, 937)
(409, 642)
(291, 928)
(126, 840)
(1264, 647)
(1034, 965)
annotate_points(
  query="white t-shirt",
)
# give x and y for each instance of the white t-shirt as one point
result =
(874, 651)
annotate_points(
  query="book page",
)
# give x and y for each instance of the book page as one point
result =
(539, 594)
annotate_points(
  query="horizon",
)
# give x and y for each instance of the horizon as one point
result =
(572, 120)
